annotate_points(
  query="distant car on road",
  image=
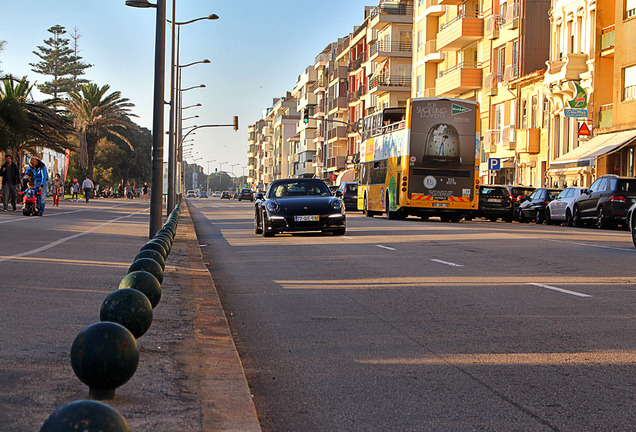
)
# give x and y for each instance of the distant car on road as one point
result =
(246, 194)
(560, 209)
(203, 195)
(518, 194)
(226, 195)
(494, 203)
(606, 202)
(191, 194)
(216, 194)
(349, 192)
(298, 205)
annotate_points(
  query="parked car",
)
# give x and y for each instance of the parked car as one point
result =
(606, 202)
(518, 194)
(191, 194)
(203, 194)
(349, 192)
(298, 205)
(246, 194)
(494, 203)
(226, 195)
(561, 209)
(631, 217)
(534, 207)
(216, 194)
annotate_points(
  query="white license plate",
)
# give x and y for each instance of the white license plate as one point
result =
(494, 200)
(440, 205)
(306, 218)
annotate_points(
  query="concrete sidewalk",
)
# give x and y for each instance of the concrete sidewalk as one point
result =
(189, 377)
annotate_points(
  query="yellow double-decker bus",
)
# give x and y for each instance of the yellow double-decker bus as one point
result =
(421, 160)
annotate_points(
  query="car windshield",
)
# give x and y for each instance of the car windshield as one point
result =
(492, 192)
(296, 188)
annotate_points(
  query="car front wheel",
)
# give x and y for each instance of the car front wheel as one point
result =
(568, 218)
(257, 228)
(576, 218)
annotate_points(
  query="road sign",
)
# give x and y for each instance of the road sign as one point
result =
(575, 112)
(584, 130)
(494, 164)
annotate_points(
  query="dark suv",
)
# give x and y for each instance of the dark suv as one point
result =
(518, 194)
(534, 207)
(246, 194)
(606, 202)
(494, 203)
(349, 195)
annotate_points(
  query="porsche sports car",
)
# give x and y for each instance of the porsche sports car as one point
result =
(292, 205)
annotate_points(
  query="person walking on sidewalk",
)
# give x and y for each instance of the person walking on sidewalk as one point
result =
(74, 190)
(40, 175)
(88, 187)
(10, 180)
(57, 187)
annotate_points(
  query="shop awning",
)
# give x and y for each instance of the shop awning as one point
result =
(345, 176)
(600, 145)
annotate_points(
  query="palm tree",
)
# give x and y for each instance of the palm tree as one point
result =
(95, 115)
(26, 124)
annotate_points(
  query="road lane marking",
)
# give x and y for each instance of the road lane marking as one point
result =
(65, 239)
(348, 238)
(447, 263)
(386, 247)
(561, 290)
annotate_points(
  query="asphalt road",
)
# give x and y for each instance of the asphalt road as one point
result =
(429, 326)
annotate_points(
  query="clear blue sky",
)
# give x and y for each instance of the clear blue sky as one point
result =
(257, 49)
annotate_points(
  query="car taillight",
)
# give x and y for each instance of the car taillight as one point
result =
(617, 198)
(513, 199)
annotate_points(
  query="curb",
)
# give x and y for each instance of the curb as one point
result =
(226, 401)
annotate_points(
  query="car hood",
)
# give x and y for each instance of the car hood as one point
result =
(305, 204)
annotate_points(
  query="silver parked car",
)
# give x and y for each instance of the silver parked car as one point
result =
(560, 209)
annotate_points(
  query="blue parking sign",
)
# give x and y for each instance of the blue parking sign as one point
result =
(494, 164)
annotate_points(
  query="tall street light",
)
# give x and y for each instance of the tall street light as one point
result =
(174, 95)
(176, 136)
(234, 175)
(156, 192)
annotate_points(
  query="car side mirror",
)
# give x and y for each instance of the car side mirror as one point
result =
(339, 194)
(259, 196)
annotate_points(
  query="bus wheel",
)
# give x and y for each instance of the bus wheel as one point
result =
(365, 208)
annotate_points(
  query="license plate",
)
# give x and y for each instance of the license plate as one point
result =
(306, 218)
(494, 200)
(440, 205)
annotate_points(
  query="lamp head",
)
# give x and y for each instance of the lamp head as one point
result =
(140, 4)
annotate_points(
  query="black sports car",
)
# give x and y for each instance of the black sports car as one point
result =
(298, 205)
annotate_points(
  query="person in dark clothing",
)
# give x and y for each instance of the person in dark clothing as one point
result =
(10, 180)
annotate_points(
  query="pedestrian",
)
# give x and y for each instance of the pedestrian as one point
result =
(75, 190)
(145, 189)
(57, 187)
(10, 181)
(88, 187)
(40, 175)
(129, 192)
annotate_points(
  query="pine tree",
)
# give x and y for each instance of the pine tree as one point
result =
(59, 60)
(2, 43)
(77, 67)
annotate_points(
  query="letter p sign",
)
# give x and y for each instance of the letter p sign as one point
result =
(494, 164)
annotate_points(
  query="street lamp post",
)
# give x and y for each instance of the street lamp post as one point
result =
(156, 193)
(234, 175)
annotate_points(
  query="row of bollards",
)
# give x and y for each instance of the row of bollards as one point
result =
(105, 355)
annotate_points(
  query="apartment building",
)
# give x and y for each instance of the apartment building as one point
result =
(284, 119)
(302, 145)
(337, 110)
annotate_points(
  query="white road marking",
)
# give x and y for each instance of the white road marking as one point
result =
(348, 238)
(561, 290)
(447, 263)
(385, 247)
(65, 239)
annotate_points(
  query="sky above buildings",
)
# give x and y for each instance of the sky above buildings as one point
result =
(257, 50)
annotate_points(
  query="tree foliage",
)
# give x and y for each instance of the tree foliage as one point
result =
(61, 61)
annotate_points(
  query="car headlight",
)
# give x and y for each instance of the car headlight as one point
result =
(336, 204)
(272, 206)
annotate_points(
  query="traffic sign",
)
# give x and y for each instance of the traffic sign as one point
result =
(584, 130)
(575, 112)
(494, 164)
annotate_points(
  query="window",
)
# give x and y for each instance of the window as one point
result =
(524, 114)
(629, 83)
(501, 60)
(546, 113)
(420, 39)
(418, 89)
(630, 9)
(533, 111)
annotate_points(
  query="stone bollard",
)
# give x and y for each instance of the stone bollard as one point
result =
(152, 254)
(155, 246)
(144, 282)
(104, 356)
(130, 308)
(148, 265)
(163, 242)
(85, 416)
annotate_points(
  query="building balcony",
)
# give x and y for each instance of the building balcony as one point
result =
(451, 2)
(460, 32)
(607, 41)
(606, 116)
(384, 83)
(512, 16)
(434, 8)
(319, 109)
(491, 82)
(431, 54)
(322, 60)
(337, 133)
(320, 85)
(335, 163)
(338, 73)
(383, 50)
(569, 68)
(528, 140)
(356, 64)
(511, 72)
(336, 104)
(459, 79)
(390, 13)
(354, 95)
(492, 25)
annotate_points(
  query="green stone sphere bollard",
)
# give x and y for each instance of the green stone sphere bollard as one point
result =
(156, 247)
(85, 416)
(152, 254)
(104, 356)
(130, 308)
(149, 265)
(145, 283)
